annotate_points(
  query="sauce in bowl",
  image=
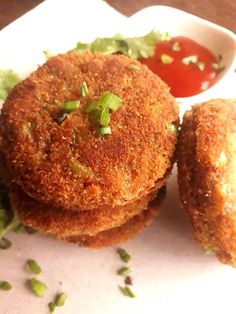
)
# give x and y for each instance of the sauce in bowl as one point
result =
(186, 66)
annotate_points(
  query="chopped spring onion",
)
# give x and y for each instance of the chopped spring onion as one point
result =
(52, 307)
(127, 292)
(124, 271)
(5, 243)
(70, 106)
(84, 90)
(37, 287)
(61, 299)
(34, 267)
(166, 59)
(106, 130)
(200, 65)
(125, 257)
(172, 129)
(101, 107)
(5, 286)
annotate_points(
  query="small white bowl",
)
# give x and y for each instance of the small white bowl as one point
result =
(214, 37)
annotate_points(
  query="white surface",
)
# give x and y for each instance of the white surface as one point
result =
(171, 274)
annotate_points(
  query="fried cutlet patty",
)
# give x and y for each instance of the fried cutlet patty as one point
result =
(53, 220)
(113, 235)
(207, 175)
(115, 169)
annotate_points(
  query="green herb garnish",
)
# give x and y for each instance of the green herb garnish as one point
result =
(101, 107)
(52, 307)
(37, 287)
(5, 286)
(166, 59)
(176, 46)
(60, 299)
(84, 90)
(135, 48)
(8, 79)
(34, 267)
(124, 271)
(127, 292)
(8, 219)
(125, 257)
(70, 106)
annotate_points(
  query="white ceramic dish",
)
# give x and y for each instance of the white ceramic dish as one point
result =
(217, 39)
(171, 274)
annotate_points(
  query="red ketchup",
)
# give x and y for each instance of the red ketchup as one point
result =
(187, 68)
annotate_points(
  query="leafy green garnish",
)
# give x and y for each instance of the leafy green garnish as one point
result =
(52, 307)
(134, 48)
(8, 79)
(8, 219)
(37, 287)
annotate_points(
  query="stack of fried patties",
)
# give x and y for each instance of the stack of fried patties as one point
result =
(69, 179)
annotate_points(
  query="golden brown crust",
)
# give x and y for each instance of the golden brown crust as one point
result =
(206, 175)
(124, 232)
(53, 220)
(38, 150)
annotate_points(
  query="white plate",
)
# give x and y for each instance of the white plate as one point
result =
(171, 274)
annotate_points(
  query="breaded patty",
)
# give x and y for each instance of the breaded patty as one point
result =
(120, 167)
(206, 175)
(121, 233)
(54, 220)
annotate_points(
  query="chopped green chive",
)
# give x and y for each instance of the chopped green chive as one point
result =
(106, 130)
(92, 106)
(60, 299)
(124, 271)
(176, 46)
(84, 90)
(52, 307)
(101, 107)
(190, 59)
(105, 117)
(34, 267)
(5, 244)
(37, 287)
(166, 59)
(5, 286)
(127, 292)
(71, 106)
(109, 100)
(125, 257)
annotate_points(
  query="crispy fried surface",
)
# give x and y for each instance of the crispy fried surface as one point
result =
(124, 166)
(206, 175)
(54, 220)
(124, 232)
